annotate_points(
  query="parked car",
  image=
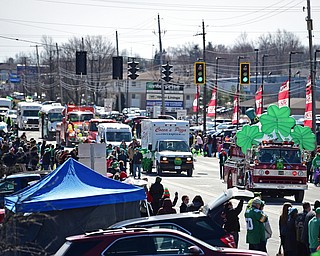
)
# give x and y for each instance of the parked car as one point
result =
(206, 225)
(140, 241)
(16, 182)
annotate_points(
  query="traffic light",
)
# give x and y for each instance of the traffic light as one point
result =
(81, 62)
(199, 72)
(117, 67)
(245, 73)
(166, 71)
(133, 69)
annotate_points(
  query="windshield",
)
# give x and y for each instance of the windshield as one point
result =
(118, 136)
(180, 146)
(291, 156)
(75, 117)
(55, 117)
(31, 112)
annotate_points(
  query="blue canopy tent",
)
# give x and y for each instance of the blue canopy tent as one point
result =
(77, 199)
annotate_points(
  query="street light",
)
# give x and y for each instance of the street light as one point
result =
(262, 77)
(215, 115)
(257, 63)
(238, 88)
(289, 77)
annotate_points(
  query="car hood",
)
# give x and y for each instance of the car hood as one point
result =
(230, 193)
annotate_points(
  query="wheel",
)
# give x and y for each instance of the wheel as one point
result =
(189, 172)
(298, 196)
(159, 170)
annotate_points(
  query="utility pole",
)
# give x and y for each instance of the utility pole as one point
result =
(257, 64)
(205, 84)
(38, 68)
(118, 82)
(51, 77)
(163, 106)
(59, 75)
(312, 75)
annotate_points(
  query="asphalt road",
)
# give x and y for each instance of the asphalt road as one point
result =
(205, 182)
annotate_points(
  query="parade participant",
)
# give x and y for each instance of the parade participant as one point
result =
(222, 159)
(315, 167)
(255, 228)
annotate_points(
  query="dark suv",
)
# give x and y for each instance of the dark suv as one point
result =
(206, 225)
(143, 242)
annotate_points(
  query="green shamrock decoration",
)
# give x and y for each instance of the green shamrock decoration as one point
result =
(277, 120)
(304, 137)
(248, 136)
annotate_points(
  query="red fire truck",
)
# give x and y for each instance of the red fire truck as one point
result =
(74, 124)
(274, 168)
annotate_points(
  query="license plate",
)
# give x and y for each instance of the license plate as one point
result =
(177, 167)
(281, 172)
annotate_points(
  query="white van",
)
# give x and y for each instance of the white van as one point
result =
(28, 115)
(114, 133)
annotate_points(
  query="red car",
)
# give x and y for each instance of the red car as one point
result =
(143, 242)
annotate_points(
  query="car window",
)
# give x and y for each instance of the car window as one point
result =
(137, 245)
(7, 186)
(171, 245)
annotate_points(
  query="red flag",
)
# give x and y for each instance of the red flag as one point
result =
(308, 111)
(212, 104)
(195, 101)
(283, 97)
(236, 109)
(259, 101)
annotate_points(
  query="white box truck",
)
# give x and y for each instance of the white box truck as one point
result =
(168, 142)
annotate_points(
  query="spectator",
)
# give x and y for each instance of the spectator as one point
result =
(33, 159)
(166, 194)
(184, 203)
(137, 163)
(9, 158)
(302, 247)
(21, 159)
(123, 157)
(232, 224)
(255, 219)
(156, 192)
(283, 223)
(309, 216)
(166, 207)
(290, 244)
(46, 159)
(196, 204)
(313, 231)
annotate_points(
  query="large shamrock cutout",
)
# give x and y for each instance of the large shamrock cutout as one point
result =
(277, 120)
(304, 137)
(248, 136)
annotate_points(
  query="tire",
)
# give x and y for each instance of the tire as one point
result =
(298, 196)
(189, 172)
(159, 170)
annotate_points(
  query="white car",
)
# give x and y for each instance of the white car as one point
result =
(12, 113)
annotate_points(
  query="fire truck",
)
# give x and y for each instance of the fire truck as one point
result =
(74, 124)
(273, 168)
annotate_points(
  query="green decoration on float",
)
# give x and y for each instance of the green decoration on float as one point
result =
(277, 120)
(304, 137)
(248, 136)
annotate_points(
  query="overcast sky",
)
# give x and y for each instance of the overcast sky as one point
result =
(137, 24)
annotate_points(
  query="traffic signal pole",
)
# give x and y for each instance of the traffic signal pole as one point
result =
(163, 107)
(205, 84)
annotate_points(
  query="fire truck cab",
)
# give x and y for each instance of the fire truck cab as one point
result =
(276, 169)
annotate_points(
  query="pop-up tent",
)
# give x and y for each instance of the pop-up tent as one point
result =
(74, 199)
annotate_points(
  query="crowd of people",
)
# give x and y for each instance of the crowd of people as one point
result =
(20, 154)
